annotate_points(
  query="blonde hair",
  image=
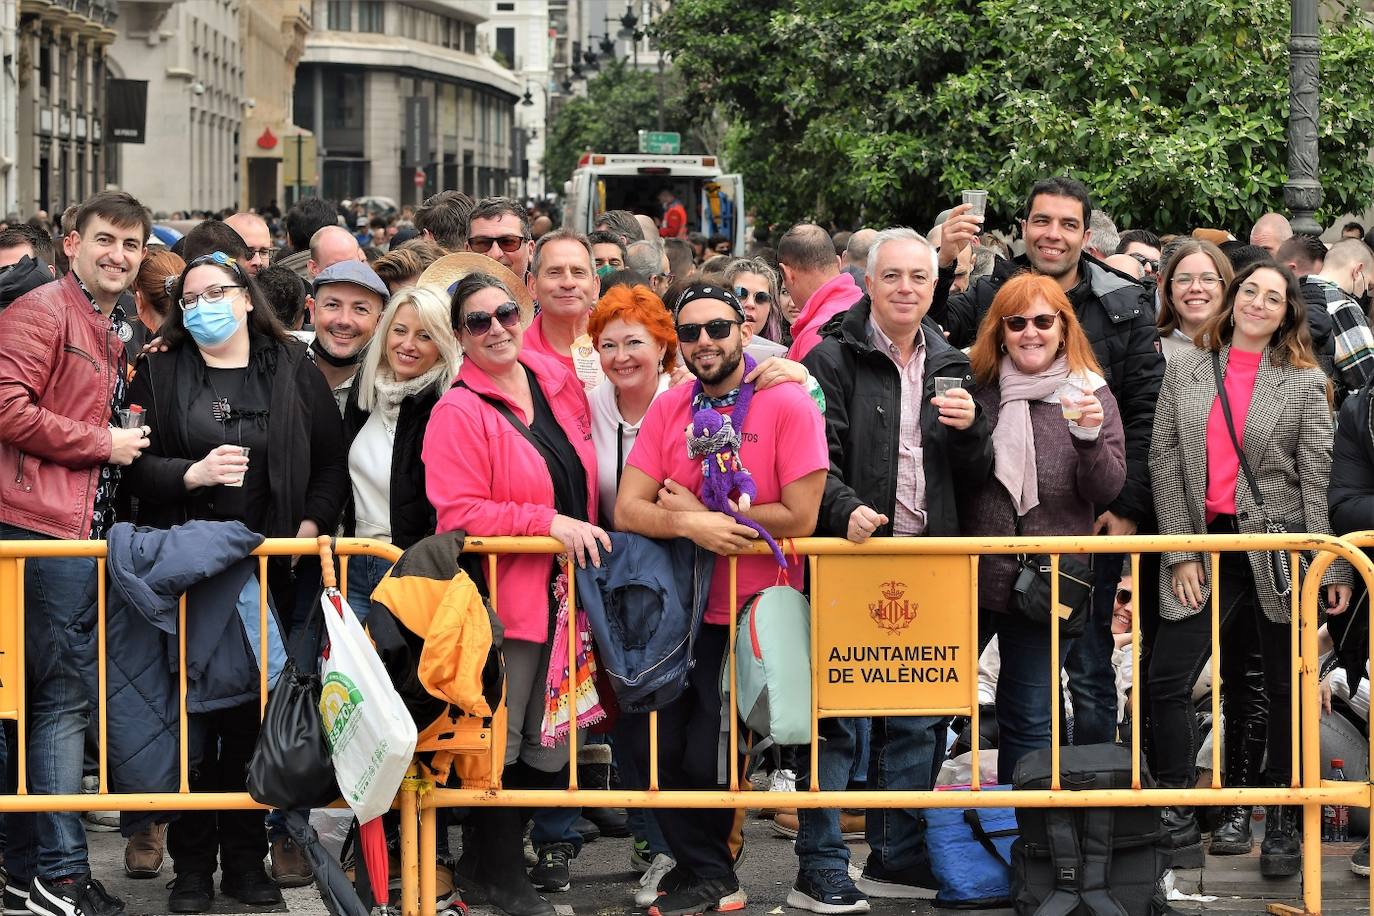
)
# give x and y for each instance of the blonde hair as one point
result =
(431, 305)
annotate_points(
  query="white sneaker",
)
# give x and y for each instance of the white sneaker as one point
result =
(98, 821)
(648, 882)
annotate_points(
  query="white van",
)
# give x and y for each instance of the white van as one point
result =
(631, 181)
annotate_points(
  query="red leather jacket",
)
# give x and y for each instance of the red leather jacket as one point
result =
(57, 374)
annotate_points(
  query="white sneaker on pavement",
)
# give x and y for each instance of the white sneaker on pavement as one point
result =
(648, 882)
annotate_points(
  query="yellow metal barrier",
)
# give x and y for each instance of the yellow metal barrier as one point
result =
(884, 564)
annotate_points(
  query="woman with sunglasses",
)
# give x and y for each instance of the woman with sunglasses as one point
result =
(1058, 451)
(244, 428)
(1190, 292)
(509, 452)
(1268, 420)
(755, 285)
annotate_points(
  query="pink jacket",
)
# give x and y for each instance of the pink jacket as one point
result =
(837, 295)
(484, 478)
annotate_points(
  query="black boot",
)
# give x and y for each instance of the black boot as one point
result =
(1281, 851)
(1232, 836)
(501, 879)
(1185, 837)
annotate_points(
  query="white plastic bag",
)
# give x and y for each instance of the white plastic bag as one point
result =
(370, 733)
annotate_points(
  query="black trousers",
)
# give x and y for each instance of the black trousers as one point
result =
(226, 739)
(688, 758)
(1182, 647)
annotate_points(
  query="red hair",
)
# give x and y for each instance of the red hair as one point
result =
(638, 305)
(1015, 297)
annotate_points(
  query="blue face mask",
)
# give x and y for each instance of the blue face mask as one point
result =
(212, 323)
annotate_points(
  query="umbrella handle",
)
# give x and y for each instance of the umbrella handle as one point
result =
(327, 561)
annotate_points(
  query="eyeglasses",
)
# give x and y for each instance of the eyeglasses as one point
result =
(264, 253)
(717, 329)
(1152, 263)
(479, 323)
(1273, 302)
(1017, 323)
(481, 244)
(762, 297)
(211, 294)
(1207, 281)
(1123, 596)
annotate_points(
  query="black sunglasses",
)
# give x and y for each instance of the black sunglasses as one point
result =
(479, 323)
(1018, 323)
(762, 297)
(481, 244)
(1123, 596)
(718, 329)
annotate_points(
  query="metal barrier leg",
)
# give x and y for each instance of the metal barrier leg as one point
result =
(410, 850)
(1312, 859)
(429, 859)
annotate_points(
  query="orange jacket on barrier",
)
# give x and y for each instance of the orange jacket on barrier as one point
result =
(440, 644)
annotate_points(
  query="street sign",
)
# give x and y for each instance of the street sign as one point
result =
(298, 160)
(664, 142)
(419, 178)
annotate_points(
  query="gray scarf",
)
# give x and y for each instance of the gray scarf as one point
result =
(391, 392)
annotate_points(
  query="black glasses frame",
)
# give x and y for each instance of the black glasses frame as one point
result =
(716, 329)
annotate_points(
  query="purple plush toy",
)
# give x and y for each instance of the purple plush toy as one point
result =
(715, 440)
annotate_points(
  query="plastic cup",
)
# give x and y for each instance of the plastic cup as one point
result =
(977, 200)
(130, 417)
(1069, 395)
(943, 385)
(243, 449)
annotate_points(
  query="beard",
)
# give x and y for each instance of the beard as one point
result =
(728, 363)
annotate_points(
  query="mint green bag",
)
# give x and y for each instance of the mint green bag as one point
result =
(773, 667)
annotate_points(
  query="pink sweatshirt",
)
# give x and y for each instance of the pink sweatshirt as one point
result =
(1223, 466)
(837, 295)
(484, 478)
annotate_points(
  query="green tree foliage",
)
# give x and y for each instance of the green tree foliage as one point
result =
(882, 110)
(619, 103)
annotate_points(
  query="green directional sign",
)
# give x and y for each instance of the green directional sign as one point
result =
(660, 141)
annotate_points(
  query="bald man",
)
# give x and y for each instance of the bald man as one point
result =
(255, 234)
(963, 261)
(1271, 230)
(648, 225)
(329, 246)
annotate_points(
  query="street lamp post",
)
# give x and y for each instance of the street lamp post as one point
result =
(1302, 193)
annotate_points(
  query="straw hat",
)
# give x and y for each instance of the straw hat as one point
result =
(448, 270)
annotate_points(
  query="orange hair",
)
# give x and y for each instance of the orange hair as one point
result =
(636, 304)
(1016, 296)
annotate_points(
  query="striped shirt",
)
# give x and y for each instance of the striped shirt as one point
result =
(909, 514)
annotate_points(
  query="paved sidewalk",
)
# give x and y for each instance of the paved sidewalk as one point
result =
(603, 883)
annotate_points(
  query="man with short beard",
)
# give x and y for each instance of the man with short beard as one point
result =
(347, 305)
(783, 447)
(1118, 317)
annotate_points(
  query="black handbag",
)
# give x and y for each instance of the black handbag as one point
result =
(291, 767)
(1278, 559)
(1030, 590)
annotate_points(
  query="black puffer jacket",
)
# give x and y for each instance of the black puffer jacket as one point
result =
(1118, 316)
(863, 402)
(1350, 493)
(412, 517)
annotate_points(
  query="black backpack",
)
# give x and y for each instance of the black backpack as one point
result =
(1088, 861)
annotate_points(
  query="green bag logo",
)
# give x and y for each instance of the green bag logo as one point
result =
(339, 702)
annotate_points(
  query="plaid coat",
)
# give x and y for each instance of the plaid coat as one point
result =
(1287, 442)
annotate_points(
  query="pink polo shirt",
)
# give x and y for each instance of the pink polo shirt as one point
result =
(1223, 466)
(783, 441)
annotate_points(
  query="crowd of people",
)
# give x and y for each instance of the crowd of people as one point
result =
(470, 367)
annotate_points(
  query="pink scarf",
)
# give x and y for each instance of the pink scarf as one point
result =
(1013, 441)
(559, 702)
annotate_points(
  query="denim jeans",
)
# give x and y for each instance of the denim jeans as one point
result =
(904, 753)
(364, 573)
(1023, 686)
(643, 821)
(59, 652)
(1092, 681)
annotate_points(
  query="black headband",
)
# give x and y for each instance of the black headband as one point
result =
(708, 291)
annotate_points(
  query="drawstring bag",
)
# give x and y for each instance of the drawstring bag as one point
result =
(970, 854)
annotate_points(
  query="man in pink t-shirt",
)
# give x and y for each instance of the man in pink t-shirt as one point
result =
(784, 449)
